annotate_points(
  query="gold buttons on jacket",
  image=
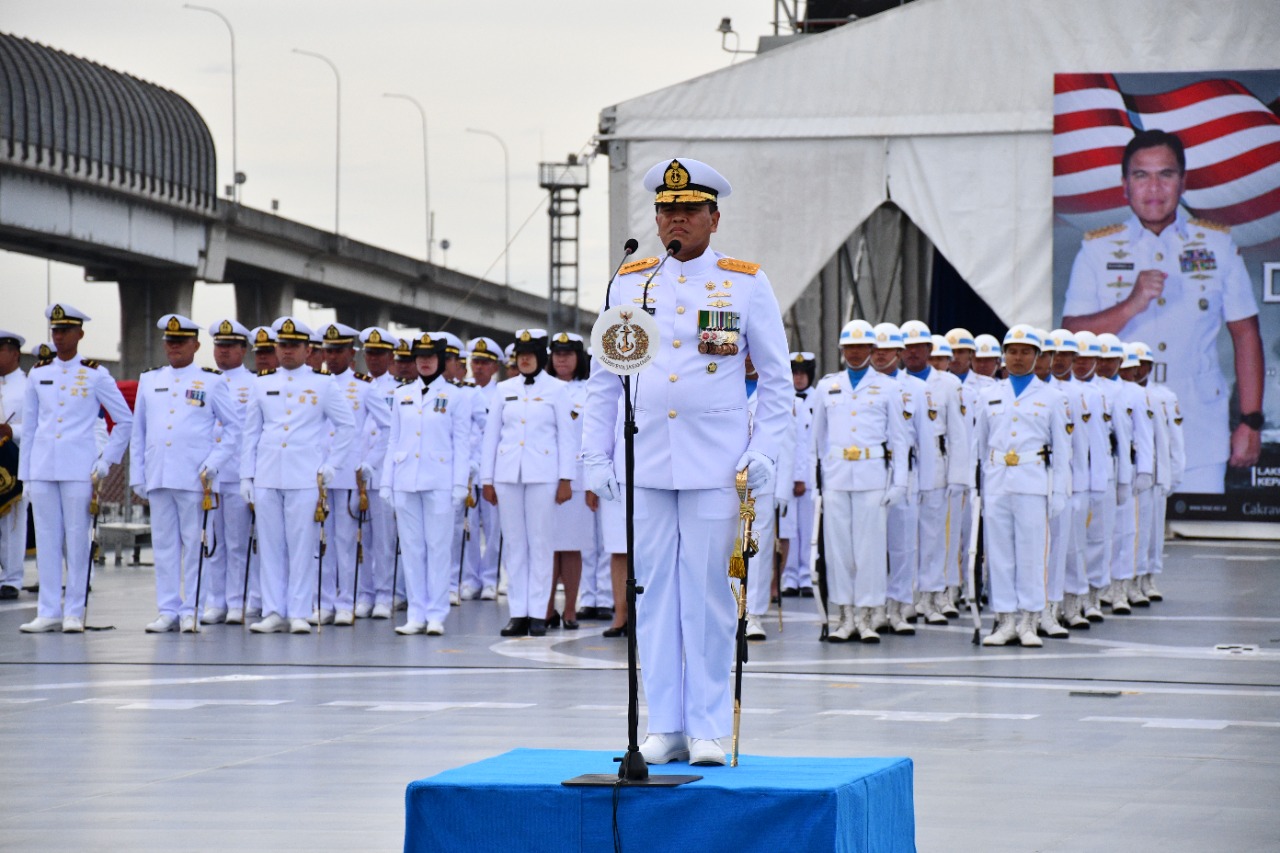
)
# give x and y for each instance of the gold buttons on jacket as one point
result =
(675, 344)
(671, 414)
(672, 377)
(679, 309)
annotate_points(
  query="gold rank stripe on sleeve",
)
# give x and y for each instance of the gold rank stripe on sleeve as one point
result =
(636, 266)
(735, 265)
(1105, 231)
(1210, 224)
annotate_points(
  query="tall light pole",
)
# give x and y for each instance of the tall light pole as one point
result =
(236, 178)
(506, 169)
(426, 180)
(337, 154)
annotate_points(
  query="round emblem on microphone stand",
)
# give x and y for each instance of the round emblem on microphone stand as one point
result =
(624, 340)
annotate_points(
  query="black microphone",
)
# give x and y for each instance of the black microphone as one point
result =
(672, 248)
(628, 249)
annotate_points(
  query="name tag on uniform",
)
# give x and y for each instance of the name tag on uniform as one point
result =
(273, 393)
(159, 390)
(512, 398)
(46, 381)
(834, 391)
(1119, 266)
(407, 401)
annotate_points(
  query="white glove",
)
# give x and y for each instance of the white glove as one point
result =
(141, 491)
(893, 496)
(956, 489)
(1142, 483)
(1057, 503)
(246, 490)
(759, 470)
(365, 470)
(386, 494)
(459, 495)
(599, 479)
(211, 474)
(475, 472)
(100, 468)
(326, 473)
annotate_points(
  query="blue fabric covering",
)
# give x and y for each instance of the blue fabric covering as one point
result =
(1020, 383)
(516, 802)
(855, 376)
(922, 375)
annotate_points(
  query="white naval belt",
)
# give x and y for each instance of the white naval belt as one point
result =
(1012, 459)
(854, 453)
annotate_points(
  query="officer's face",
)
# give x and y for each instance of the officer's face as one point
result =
(564, 363)
(377, 361)
(266, 359)
(799, 380)
(292, 354)
(427, 364)
(404, 368)
(482, 370)
(181, 352)
(986, 365)
(1129, 374)
(916, 356)
(314, 357)
(527, 363)
(1019, 359)
(66, 339)
(857, 355)
(10, 358)
(962, 361)
(1084, 366)
(1154, 185)
(1108, 367)
(339, 359)
(1062, 363)
(228, 356)
(885, 360)
(940, 362)
(1144, 370)
(691, 224)
(1043, 360)
(454, 368)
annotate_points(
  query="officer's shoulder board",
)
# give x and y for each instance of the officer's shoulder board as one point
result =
(321, 372)
(149, 369)
(266, 371)
(44, 362)
(735, 265)
(1105, 231)
(636, 266)
(1210, 224)
(363, 377)
(215, 371)
(90, 363)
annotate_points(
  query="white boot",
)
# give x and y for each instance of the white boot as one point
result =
(909, 611)
(1092, 606)
(1149, 588)
(1071, 612)
(946, 602)
(1049, 624)
(1133, 589)
(1119, 601)
(847, 625)
(897, 622)
(880, 618)
(929, 608)
(866, 625)
(1026, 628)
(1004, 633)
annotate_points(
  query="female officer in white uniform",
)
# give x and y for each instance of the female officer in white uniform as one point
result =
(424, 474)
(526, 466)
(573, 529)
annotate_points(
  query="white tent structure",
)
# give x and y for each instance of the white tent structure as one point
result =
(942, 107)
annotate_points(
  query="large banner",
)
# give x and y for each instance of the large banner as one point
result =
(1187, 262)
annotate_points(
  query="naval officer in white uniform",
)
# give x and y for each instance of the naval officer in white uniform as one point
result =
(59, 454)
(691, 415)
(13, 518)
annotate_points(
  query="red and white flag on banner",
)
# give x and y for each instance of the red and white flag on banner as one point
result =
(1232, 141)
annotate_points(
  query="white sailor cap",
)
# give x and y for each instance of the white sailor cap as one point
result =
(178, 328)
(941, 347)
(12, 337)
(1023, 334)
(43, 351)
(915, 332)
(263, 337)
(1111, 346)
(1130, 355)
(986, 346)
(1144, 352)
(888, 336)
(961, 338)
(1061, 340)
(484, 348)
(452, 343)
(799, 358)
(510, 352)
(289, 330)
(378, 338)
(530, 340)
(339, 335)
(567, 342)
(1087, 345)
(857, 332)
(229, 331)
(685, 181)
(60, 314)
(403, 350)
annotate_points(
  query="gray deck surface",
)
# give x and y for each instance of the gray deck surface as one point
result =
(1137, 735)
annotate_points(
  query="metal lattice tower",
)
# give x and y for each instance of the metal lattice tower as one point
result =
(565, 180)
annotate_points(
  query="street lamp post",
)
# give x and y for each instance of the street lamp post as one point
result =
(236, 178)
(426, 180)
(337, 155)
(506, 169)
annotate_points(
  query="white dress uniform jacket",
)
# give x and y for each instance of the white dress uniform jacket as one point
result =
(60, 416)
(286, 425)
(13, 524)
(429, 444)
(529, 436)
(860, 434)
(184, 421)
(1014, 435)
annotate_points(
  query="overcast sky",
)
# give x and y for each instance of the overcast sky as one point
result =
(536, 74)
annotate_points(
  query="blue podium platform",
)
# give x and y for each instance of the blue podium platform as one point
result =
(516, 802)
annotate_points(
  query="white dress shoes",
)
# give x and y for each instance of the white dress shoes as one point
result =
(435, 628)
(72, 625)
(488, 593)
(663, 748)
(363, 609)
(162, 624)
(705, 753)
(381, 611)
(235, 616)
(42, 625)
(273, 624)
(410, 628)
(213, 616)
(299, 626)
(188, 623)
(344, 617)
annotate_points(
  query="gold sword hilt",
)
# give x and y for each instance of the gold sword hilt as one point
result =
(362, 490)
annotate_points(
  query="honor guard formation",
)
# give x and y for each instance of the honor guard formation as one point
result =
(288, 491)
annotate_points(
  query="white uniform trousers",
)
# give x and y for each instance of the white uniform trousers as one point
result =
(686, 618)
(797, 573)
(527, 551)
(1015, 539)
(463, 560)
(1075, 580)
(379, 552)
(933, 540)
(760, 571)
(60, 509)
(1060, 530)
(175, 539)
(1098, 536)
(1124, 540)
(224, 572)
(1155, 554)
(967, 535)
(486, 539)
(424, 520)
(1145, 520)
(589, 588)
(287, 539)
(336, 590)
(958, 507)
(13, 543)
(903, 542)
(857, 549)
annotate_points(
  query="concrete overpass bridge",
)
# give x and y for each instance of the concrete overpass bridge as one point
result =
(105, 171)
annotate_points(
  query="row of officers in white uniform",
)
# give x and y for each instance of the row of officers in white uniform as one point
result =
(355, 486)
